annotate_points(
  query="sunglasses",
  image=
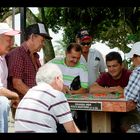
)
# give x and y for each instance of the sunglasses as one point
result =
(85, 43)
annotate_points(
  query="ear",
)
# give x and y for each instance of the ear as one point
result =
(31, 36)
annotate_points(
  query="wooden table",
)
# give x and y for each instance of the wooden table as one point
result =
(100, 107)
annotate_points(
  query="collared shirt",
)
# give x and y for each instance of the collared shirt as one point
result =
(132, 91)
(69, 73)
(3, 72)
(21, 66)
(40, 109)
(95, 64)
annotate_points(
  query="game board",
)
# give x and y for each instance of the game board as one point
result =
(88, 96)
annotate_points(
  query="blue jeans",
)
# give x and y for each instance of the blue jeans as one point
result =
(4, 112)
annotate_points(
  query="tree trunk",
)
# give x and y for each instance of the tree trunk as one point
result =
(48, 50)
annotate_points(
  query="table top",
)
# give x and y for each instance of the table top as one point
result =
(96, 96)
(98, 102)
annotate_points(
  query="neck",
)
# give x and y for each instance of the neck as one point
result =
(85, 54)
(30, 46)
(118, 76)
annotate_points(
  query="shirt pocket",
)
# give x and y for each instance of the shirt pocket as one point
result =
(95, 64)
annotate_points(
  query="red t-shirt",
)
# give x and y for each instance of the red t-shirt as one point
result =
(106, 80)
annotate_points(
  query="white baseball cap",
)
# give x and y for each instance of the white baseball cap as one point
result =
(6, 30)
(134, 50)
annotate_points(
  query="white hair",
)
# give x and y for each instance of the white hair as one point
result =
(47, 73)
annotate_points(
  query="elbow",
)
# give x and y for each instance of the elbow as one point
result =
(17, 84)
(92, 89)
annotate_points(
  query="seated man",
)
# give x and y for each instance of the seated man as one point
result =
(71, 67)
(132, 90)
(44, 105)
(6, 95)
(115, 80)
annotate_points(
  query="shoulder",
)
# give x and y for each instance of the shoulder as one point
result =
(126, 71)
(136, 70)
(93, 50)
(16, 52)
(105, 76)
(95, 53)
(81, 65)
(58, 60)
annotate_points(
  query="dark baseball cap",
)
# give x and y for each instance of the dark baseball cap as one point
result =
(83, 35)
(37, 28)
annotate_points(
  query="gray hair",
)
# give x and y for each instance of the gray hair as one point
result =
(47, 73)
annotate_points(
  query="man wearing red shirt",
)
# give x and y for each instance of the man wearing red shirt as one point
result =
(23, 62)
(115, 80)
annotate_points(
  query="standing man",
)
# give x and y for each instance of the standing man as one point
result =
(45, 104)
(6, 42)
(23, 62)
(92, 58)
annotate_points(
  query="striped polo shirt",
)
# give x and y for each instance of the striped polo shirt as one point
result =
(69, 73)
(40, 109)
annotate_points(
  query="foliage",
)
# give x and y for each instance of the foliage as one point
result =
(118, 26)
(31, 18)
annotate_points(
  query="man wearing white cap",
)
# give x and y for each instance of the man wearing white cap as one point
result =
(23, 62)
(8, 34)
(6, 41)
(132, 90)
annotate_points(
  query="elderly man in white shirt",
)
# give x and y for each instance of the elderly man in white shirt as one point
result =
(6, 39)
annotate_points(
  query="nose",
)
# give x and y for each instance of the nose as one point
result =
(75, 60)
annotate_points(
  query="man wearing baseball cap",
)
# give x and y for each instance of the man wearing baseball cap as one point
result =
(132, 90)
(23, 62)
(6, 41)
(92, 58)
(8, 34)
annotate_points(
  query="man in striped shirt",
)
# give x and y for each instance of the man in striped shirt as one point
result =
(71, 67)
(45, 105)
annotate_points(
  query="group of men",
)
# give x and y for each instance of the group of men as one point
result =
(39, 91)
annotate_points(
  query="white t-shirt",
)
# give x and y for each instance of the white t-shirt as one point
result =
(3, 72)
(40, 109)
(95, 64)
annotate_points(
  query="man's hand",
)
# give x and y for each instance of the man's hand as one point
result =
(131, 104)
(116, 89)
(66, 89)
(14, 103)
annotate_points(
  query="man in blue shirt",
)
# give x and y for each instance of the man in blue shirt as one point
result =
(132, 90)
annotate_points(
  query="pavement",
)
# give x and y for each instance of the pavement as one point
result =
(10, 123)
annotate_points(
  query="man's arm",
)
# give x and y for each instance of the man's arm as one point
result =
(20, 86)
(71, 127)
(96, 88)
(79, 91)
(9, 94)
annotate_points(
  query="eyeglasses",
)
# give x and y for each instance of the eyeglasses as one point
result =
(85, 43)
